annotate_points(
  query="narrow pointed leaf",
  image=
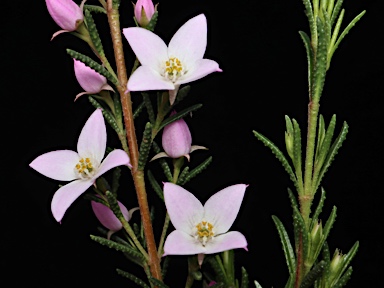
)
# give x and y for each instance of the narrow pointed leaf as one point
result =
(132, 277)
(348, 258)
(328, 226)
(319, 208)
(217, 269)
(197, 170)
(244, 278)
(320, 134)
(96, 9)
(308, 49)
(155, 185)
(182, 177)
(313, 275)
(164, 268)
(152, 23)
(332, 153)
(183, 92)
(335, 34)
(344, 279)
(163, 163)
(291, 281)
(95, 37)
(148, 105)
(310, 16)
(279, 155)
(106, 113)
(336, 11)
(286, 243)
(118, 247)
(118, 108)
(327, 27)
(297, 156)
(115, 180)
(257, 284)
(179, 115)
(93, 64)
(138, 110)
(321, 62)
(326, 255)
(145, 146)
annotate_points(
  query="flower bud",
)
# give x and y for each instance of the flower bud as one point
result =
(337, 263)
(144, 10)
(66, 13)
(177, 139)
(90, 80)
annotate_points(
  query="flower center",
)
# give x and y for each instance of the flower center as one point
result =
(174, 69)
(203, 232)
(85, 168)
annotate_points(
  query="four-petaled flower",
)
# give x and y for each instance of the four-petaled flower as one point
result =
(203, 229)
(90, 80)
(84, 166)
(66, 13)
(166, 68)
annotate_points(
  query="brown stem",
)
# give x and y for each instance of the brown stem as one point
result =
(299, 264)
(138, 176)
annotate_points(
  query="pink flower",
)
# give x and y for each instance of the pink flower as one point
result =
(203, 229)
(144, 10)
(66, 13)
(108, 219)
(177, 140)
(82, 167)
(90, 80)
(166, 68)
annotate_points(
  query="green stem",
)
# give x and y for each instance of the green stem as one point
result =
(130, 232)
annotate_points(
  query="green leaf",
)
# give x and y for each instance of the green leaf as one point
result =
(219, 272)
(115, 180)
(157, 282)
(183, 92)
(92, 64)
(119, 247)
(310, 16)
(163, 163)
(244, 278)
(286, 243)
(291, 281)
(155, 185)
(257, 284)
(332, 153)
(344, 279)
(197, 170)
(327, 228)
(182, 177)
(148, 105)
(106, 113)
(95, 37)
(313, 275)
(347, 258)
(320, 134)
(145, 146)
(138, 110)
(132, 277)
(94, 8)
(335, 34)
(326, 255)
(164, 269)
(319, 208)
(279, 155)
(297, 156)
(179, 115)
(113, 204)
(152, 23)
(308, 49)
(336, 11)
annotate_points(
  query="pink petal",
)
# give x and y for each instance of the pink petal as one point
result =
(115, 158)
(200, 69)
(148, 7)
(66, 13)
(90, 80)
(190, 41)
(66, 195)
(222, 207)
(181, 243)
(149, 48)
(145, 78)
(177, 139)
(58, 165)
(227, 241)
(184, 209)
(93, 137)
(106, 216)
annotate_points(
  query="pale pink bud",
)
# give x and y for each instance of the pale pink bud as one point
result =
(177, 139)
(91, 81)
(144, 10)
(66, 13)
(106, 216)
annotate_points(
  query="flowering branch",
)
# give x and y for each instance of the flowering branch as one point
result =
(138, 175)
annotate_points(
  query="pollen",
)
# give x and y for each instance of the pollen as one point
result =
(204, 232)
(173, 69)
(84, 168)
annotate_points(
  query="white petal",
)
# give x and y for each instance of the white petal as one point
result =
(222, 207)
(66, 195)
(93, 137)
(184, 209)
(190, 41)
(149, 48)
(145, 78)
(180, 243)
(58, 165)
(115, 158)
(200, 69)
(227, 241)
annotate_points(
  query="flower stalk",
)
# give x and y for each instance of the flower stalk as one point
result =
(138, 175)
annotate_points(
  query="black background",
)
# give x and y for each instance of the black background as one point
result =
(259, 49)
